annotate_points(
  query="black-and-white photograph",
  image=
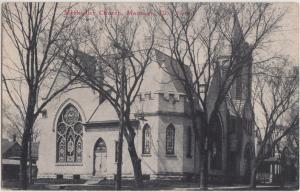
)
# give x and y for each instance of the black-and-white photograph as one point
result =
(150, 96)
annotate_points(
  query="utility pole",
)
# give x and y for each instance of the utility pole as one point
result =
(118, 183)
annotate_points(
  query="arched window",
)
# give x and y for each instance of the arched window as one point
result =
(189, 143)
(248, 152)
(146, 139)
(170, 139)
(216, 144)
(69, 136)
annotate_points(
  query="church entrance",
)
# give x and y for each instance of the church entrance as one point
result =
(100, 156)
(248, 157)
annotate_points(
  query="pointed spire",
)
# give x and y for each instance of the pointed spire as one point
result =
(237, 32)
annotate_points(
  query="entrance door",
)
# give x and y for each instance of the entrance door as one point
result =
(100, 156)
(248, 156)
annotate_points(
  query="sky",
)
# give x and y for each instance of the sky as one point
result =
(287, 38)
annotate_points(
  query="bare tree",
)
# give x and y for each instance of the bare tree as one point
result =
(122, 52)
(275, 95)
(191, 32)
(34, 32)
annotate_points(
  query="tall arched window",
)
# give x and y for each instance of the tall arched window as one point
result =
(189, 143)
(170, 139)
(248, 151)
(146, 139)
(69, 136)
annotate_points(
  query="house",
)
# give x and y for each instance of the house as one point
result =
(11, 154)
(281, 163)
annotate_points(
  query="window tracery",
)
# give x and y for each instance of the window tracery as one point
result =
(69, 136)
(146, 139)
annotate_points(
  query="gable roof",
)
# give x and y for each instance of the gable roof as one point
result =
(155, 80)
(8, 146)
(104, 112)
(5, 145)
(11, 150)
(170, 72)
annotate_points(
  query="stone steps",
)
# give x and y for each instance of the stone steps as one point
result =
(93, 180)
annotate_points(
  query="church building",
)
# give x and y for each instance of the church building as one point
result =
(79, 135)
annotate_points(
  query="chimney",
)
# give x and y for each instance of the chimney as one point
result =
(14, 138)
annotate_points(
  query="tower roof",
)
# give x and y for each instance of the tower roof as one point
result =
(237, 32)
(237, 38)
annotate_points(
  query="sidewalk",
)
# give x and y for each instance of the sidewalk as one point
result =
(290, 186)
(162, 185)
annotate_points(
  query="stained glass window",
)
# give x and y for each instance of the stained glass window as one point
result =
(69, 136)
(170, 139)
(146, 140)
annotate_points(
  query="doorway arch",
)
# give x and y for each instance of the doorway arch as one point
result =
(100, 158)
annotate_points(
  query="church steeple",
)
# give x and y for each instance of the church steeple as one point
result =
(237, 32)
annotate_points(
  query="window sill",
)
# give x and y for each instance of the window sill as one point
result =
(171, 155)
(68, 164)
(146, 155)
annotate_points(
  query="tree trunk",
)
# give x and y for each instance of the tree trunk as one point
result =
(120, 145)
(135, 160)
(204, 156)
(283, 168)
(30, 160)
(253, 178)
(204, 170)
(24, 155)
(29, 121)
(136, 163)
(200, 143)
(118, 185)
(201, 172)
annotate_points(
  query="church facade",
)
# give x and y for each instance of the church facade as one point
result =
(79, 134)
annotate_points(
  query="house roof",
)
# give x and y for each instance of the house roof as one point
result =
(169, 71)
(155, 80)
(5, 145)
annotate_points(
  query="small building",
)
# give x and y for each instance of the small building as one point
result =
(11, 155)
(281, 163)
